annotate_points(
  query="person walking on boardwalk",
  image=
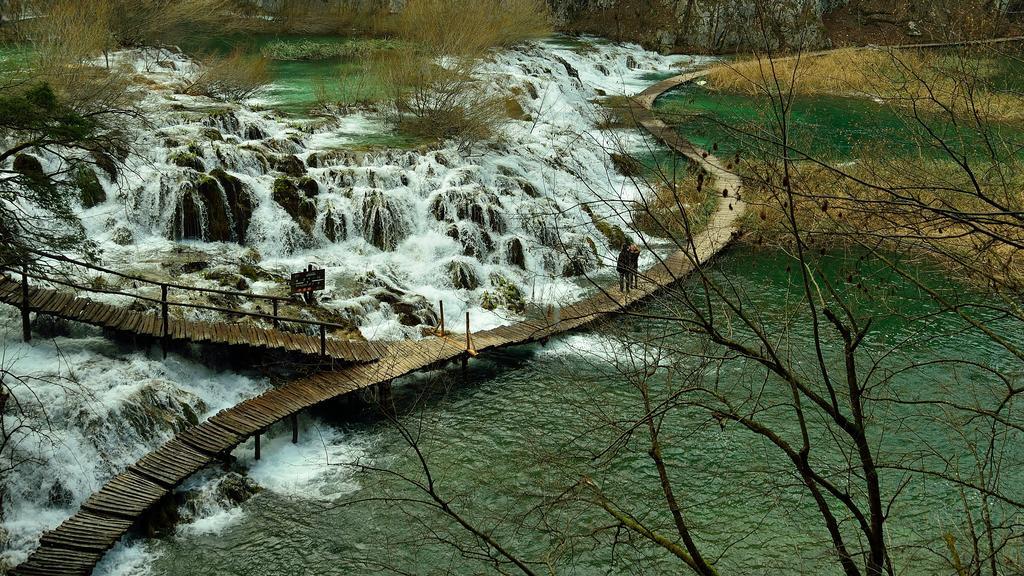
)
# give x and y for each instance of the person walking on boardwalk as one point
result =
(633, 266)
(622, 267)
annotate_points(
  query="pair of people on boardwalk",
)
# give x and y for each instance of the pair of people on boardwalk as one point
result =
(627, 266)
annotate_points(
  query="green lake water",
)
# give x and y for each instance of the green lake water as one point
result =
(831, 127)
(295, 83)
(533, 420)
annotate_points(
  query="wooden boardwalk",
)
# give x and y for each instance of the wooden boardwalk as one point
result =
(65, 304)
(79, 543)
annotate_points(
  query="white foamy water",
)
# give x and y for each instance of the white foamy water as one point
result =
(427, 227)
(385, 221)
(91, 409)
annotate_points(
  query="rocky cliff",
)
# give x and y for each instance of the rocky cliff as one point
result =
(697, 25)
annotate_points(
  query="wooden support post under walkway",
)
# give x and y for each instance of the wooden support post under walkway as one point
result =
(26, 321)
(165, 320)
(257, 439)
(295, 428)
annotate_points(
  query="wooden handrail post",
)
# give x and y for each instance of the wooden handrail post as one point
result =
(274, 300)
(441, 302)
(469, 347)
(323, 341)
(26, 326)
(165, 319)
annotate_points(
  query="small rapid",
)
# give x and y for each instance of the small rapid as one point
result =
(397, 230)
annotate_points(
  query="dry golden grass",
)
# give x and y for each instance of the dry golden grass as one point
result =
(432, 82)
(669, 210)
(470, 27)
(927, 79)
(917, 208)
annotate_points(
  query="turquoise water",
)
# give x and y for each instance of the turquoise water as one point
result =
(831, 127)
(521, 427)
(296, 83)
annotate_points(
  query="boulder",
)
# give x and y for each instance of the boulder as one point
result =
(59, 495)
(90, 191)
(295, 203)
(239, 201)
(503, 294)
(202, 212)
(514, 253)
(187, 160)
(29, 166)
(289, 164)
(384, 220)
(335, 226)
(462, 275)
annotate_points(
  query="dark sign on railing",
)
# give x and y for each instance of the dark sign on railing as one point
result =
(308, 281)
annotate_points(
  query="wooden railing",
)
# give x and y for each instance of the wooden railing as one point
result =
(165, 303)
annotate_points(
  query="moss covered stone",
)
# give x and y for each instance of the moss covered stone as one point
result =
(28, 165)
(239, 202)
(187, 160)
(288, 196)
(289, 164)
(503, 294)
(90, 191)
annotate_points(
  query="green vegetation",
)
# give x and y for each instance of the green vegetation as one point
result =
(612, 233)
(326, 49)
(32, 118)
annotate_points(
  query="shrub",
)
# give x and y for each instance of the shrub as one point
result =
(481, 24)
(435, 102)
(353, 49)
(233, 77)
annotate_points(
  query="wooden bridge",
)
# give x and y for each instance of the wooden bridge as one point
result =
(162, 326)
(75, 547)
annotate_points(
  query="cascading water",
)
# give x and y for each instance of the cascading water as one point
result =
(397, 231)
(242, 180)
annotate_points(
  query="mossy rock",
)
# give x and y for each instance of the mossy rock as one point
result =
(107, 163)
(239, 200)
(627, 165)
(29, 166)
(253, 272)
(212, 134)
(289, 164)
(227, 279)
(90, 191)
(123, 236)
(515, 255)
(309, 186)
(514, 110)
(288, 196)
(253, 132)
(335, 226)
(462, 276)
(503, 294)
(218, 219)
(187, 160)
(612, 233)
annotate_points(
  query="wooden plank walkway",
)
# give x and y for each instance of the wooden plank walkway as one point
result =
(79, 543)
(64, 304)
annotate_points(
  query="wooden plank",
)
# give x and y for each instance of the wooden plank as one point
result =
(210, 438)
(171, 463)
(126, 495)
